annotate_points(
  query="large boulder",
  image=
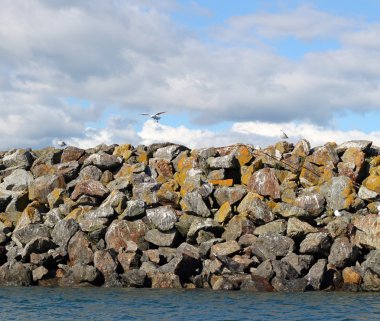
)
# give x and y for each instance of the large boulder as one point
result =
(342, 253)
(265, 182)
(42, 186)
(18, 180)
(63, 231)
(15, 274)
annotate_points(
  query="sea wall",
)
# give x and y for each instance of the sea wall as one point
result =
(283, 218)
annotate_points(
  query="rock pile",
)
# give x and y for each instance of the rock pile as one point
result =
(164, 216)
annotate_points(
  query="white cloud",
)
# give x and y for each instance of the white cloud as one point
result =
(131, 55)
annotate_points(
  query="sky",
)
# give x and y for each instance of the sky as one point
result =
(224, 71)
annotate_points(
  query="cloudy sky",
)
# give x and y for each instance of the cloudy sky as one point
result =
(224, 71)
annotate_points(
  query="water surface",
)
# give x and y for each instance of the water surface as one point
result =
(78, 304)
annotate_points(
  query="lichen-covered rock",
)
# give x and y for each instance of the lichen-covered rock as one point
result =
(297, 228)
(232, 195)
(340, 194)
(313, 202)
(19, 158)
(194, 203)
(276, 227)
(256, 209)
(287, 210)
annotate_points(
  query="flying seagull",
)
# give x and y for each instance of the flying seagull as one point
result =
(283, 135)
(61, 143)
(156, 116)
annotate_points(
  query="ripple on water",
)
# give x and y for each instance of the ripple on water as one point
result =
(36, 303)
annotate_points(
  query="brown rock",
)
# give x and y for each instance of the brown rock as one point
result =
(161, 280)
(42, 186)
(351, 276)
(264, 182)
(91, 188)
(71, 153)
(352, 163)
(226, 248)
(367, 231)
(79, 250)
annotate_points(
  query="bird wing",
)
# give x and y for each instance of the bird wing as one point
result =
(161, 112)
(145, 114)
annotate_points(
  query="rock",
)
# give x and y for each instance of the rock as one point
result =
(226, 162)
(372, 262)
(103, 161)
(352, 164)
(37, 245)
(342, 253)
(257, 284)
(363, 145)
(120, 232)
(272, 246)
(71, 153)
(25, 234)
(134, 278)
(256, 209)
(264, 182)
(224, 213)
(351, 276)
(365, 194)
(338, 227)
(316, 243)
(19, 158)
(294, 285)
(205, 225)
(317, 275)
(42, 186)
(79, 250)
(276, 227)
(232, 195)
(287, 210)
(163, 217)
(193, 203)
(372, 183)
(226, 248)
(63, 231)
(5, 199)
(79, 275)
(159, 238)
(297, 228)
(302, 148)
(367, 231)
(90, 172)
(161, 280)
(146, 192)
(90, 188)
(371, 281)
(169, 152)
(163, 167)
(237, 226)
(15, 274)
(301, 263)
(325, 156)
(135, 209)
(105, 263)
(39, 273)
(18, 180)
(117, 200)
(312, 202)
(340, 194)
(129, 260)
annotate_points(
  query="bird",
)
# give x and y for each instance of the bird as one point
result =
(337, 213)
(61, 143)
(156, 116)
(378, 209)
(283, 135)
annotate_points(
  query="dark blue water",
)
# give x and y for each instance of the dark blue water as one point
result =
(46, 304)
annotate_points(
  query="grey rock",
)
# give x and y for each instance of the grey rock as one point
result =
(336, 195)
(232, 195)
(90, 188)
(103, 161)
(159, 238)
(117, 200)
(287, 210)
(18, 158)
(18, 180)
(119, 184)
(364, 145)
(39, 273)
(104, 261)
(371, 281)
(193, 202)
(313, 202)
(163, 217)
(301, 263)
(317, 274)
(37, 245)
(265, 270)
(226, 162)
(297, 228)
(15, 274)
(276, 227)
(135, 209)
(80, 274)
(272, 246)
(226, 248)
(42, 186)
(203, 224)
(134, 278)
(205, 247)
(316, 243)
(169, 152)
(25, 234)
(343, 253)
(146, 192)
(90, 172)
(63, 231)
(372, 262)
(5, 199)
(294, 285)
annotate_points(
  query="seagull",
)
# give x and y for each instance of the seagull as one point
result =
(156, 116)
(283, 135)
(337, 213)
(378, 209)
(61, 143)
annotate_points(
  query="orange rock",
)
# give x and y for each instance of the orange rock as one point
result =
(223, 213)
(351, 276)
(372, 183)
(243, 155)
(222, 182)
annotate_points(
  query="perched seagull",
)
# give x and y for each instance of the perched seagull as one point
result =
(156, 116)
(337, 213)
(61, 143)
(283, 135)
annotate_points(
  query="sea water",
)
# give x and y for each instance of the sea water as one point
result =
(84, 304)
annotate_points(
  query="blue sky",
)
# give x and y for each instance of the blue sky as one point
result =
(224, 71)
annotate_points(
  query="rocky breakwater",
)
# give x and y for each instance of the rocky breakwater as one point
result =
(284, 218)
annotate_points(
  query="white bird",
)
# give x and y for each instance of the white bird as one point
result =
(283, 135)
(257, 147)
(61, 143)
(156, 116)
(337, 213)
(378, 209)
